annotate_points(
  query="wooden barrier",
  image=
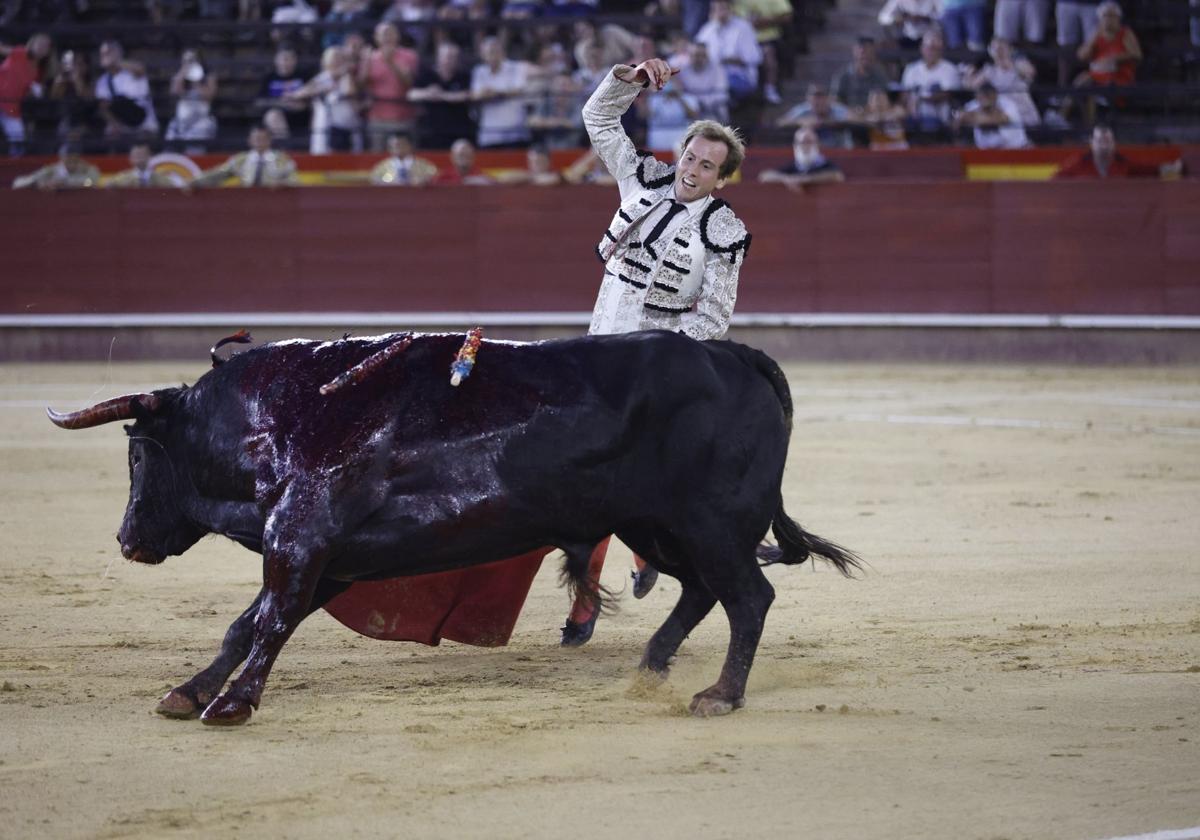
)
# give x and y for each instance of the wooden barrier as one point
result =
(1129, 247)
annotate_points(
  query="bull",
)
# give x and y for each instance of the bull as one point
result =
(676, 446)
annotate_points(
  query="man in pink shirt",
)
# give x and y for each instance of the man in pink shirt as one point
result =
(386, 74)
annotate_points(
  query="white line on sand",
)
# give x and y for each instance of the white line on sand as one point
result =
(1169, 834)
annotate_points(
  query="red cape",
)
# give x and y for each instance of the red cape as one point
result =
(475, 606)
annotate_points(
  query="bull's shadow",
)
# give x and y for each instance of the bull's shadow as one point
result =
(357, 460)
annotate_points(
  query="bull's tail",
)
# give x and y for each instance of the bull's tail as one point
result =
(795, 545)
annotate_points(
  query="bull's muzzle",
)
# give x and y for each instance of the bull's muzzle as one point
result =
(140, 554)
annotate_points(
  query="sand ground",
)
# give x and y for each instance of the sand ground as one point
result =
(1021, 661)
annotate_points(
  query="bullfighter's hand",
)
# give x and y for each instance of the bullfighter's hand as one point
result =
(654, 71)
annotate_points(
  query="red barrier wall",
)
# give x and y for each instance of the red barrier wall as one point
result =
(886, 246)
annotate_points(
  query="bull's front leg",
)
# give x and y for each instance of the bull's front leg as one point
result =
(188, 700)
(292, 574)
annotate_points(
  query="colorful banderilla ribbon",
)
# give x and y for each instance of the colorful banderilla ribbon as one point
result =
(366, 367)
(460, 368)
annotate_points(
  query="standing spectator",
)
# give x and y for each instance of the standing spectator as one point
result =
(123, 95)
(732, 44)
(928, 83)
(402, 12)
(194, 89)
(908, 21)
(1112, 52)
(402, 168)
(386, 74)
(555, 120)
(140, 174)
(818, 111)
(498, 85)
(592, 68)
(336, 125)
(284, 79)
(668, 116)
(71, 172)
(21, 74)
(963, 22)
(462, 166)
(1076, 23)
(445, 92)
(1011, 75)
(809, 165)
(73, 90)
(617, 45)
(1018, 20)
(1104, 161)
(852, 85)
(703, 80)
(996, 122)
(261, 166)
(768, 17)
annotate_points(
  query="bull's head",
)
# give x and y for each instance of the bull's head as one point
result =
(155, 524)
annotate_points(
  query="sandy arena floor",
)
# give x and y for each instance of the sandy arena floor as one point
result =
(1021, 661)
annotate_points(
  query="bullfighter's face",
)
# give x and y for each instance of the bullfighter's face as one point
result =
(699, 170)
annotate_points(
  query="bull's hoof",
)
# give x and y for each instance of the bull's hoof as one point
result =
(227, 711)
(712, 705)
(178, 704)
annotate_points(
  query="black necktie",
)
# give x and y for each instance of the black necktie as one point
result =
(675, 209)
(259, 166)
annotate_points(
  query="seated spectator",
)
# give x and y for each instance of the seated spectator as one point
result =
(123, 95)
(498, 86)
(1011, 75)
(336, 125)
(445, 92)
(402, 12)
(908, 21)
(71, 172)
(385, 75)
(883, 121)
(194, 89)
(140, 174)
(1021, 20)
(588, 169)
(462, 167)
(768, 17)
(672, 10)
(276, 123)
(1112, 52)
(285, 78)
(996, 122)
(592, 69)
(963, 23)
(539, 171)
(704, 81)
(668, 115)
(1075, 24)
(73, 90)
(733, 45)
(928, 83)
(852, 85)
(808, 166)
(556, 119)
(351, 14)
(820, 112)
(402, 168)
(21, 74)
(1104, 161)
(261, 166)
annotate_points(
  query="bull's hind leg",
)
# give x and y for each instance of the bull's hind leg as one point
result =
(746, 595)
(186, 701)
(695, 602)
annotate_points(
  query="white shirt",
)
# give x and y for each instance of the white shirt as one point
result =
(734, 40)
(503, 120)
(1011, 136)
(133, 87)
(923, 79)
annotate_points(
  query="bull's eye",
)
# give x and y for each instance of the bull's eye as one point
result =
(136, 460)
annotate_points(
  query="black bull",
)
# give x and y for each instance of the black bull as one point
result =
(675, 446)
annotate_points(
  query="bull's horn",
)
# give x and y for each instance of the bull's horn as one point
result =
(118, 408)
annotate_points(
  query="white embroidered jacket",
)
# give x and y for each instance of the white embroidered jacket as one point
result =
(686, 280)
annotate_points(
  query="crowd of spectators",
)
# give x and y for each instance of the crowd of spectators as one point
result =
(518, 79)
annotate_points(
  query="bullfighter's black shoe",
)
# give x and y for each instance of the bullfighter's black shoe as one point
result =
(576, 635)
(644, 581)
